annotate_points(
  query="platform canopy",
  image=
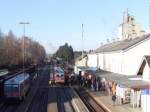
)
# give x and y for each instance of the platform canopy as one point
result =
(135, 82)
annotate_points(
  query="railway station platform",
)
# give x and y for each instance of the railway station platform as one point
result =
(103, 99)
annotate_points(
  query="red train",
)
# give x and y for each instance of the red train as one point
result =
(57, 75)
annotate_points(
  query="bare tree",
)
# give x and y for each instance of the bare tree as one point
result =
(11, 50)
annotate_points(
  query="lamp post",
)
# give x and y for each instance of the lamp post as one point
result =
(23, 47)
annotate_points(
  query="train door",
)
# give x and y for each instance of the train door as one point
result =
(7, 90)
(15, 90)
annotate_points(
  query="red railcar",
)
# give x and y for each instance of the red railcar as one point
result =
(57, 75)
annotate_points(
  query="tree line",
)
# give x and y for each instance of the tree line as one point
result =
(11, 50)
(65, 52)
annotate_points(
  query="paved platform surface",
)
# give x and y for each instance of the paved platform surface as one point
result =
(105, 100)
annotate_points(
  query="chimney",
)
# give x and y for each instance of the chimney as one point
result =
(113, 40)
(107, 40)
(117, 39)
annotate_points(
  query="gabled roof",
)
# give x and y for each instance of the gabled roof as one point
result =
(146, 59)
(121, 45)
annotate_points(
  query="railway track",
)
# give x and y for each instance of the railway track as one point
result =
(9, 107)
(39, 97)
(64, 100)
(60, 99)
(89, 101)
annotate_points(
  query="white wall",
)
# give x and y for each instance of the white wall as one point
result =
(146, 73)
(145, 99)
(133, 57)
(126, 62)
(82, 62)
(101, 61)
(92, 60)
(111, 62)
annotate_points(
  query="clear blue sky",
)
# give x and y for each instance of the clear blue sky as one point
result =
(54, 22)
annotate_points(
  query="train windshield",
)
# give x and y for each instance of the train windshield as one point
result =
(10, 88)
(59, 70)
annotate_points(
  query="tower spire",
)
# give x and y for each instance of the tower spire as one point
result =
(125, 16)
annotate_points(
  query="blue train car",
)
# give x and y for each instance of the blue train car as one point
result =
(17, 86)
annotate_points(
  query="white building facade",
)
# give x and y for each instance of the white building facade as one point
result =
(124, 60)
(124, 55)
(81, 62)
(92, 60)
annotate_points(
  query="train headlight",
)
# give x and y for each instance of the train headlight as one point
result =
(90, 76)
(82, 74)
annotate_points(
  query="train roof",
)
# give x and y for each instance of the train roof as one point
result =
(17, 79)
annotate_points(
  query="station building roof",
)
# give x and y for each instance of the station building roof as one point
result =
(122, 45)
(148, 59)
(134, 82)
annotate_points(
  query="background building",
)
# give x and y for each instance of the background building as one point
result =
(81, 62)
(129, 28)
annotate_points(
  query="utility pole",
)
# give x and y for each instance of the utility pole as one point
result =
(149, 15)
(82, 43)
(23, 47)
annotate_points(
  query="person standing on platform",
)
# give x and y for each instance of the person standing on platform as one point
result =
(114, 93)
(114, 99)
(95, 84)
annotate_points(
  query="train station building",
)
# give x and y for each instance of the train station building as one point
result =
(122, 56)
(126, 63)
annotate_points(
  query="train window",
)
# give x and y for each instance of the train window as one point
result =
(25, 82)
(21, 86)
(57, 71)
(7, 88)
(15, 88)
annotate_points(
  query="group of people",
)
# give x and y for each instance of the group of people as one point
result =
(90, 81)
(97, 84)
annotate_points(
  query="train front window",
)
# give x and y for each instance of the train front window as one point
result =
(7, 88)
(15, 88)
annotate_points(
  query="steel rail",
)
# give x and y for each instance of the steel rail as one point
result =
(89, 101)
